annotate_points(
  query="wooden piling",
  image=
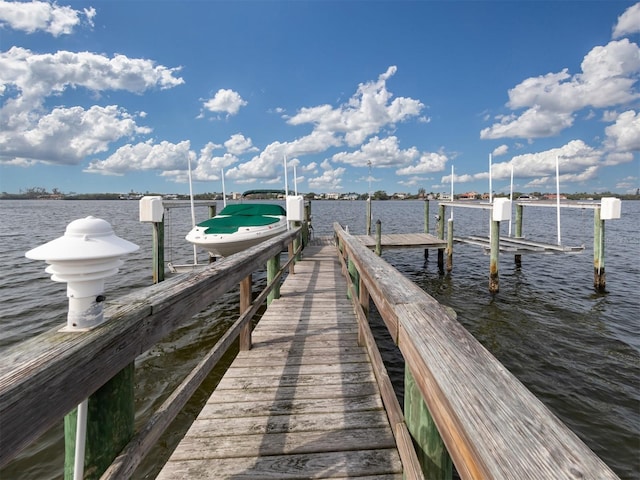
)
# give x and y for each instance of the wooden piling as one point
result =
(158, 251)
(450, 245)
(440, 226)
(518, 232)
(494, 284)
(369, 216)
(378, 238)
(110, 426)
(599, 276)
(431, 451)
(426, 224)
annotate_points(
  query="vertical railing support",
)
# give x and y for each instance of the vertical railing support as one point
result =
(430, 449)
(494, 283)
(363, 300)
(273, 266)
(450, 245)
(245, 303)
(355, 278)
(599, 276)
(290, 253)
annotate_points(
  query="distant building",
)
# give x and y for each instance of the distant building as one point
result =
(468, 196)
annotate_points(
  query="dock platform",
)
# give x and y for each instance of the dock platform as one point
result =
(403, 240)
(303, 402)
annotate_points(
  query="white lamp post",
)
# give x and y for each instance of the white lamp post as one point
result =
(87, 254)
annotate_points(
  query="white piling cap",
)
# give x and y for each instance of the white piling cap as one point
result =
(87, 238)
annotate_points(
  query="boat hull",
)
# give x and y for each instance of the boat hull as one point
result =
(225, 244)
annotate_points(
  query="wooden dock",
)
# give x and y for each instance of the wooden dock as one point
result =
(403, 240)
(303, 402)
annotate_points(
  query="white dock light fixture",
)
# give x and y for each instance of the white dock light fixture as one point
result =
(87, 254)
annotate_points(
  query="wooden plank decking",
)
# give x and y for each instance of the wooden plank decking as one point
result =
(303, 402)
(403, 240)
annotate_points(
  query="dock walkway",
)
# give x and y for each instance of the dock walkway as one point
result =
(303, 402)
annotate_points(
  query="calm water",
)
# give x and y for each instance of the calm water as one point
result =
(577, 350)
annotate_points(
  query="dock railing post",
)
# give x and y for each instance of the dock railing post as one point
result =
(450, 245)
(519, 215)
(245, 303)
(363, 299)
(441, 214)
(431, 451)
(355, 277)
(273, 266)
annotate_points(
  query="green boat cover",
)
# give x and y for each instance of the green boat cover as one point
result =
(242, 215)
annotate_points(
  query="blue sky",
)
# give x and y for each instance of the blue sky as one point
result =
(114, 96)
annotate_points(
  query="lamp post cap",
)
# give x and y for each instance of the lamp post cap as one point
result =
(87, 238)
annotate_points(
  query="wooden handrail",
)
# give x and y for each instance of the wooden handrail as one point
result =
(45, 377)
(492, 426)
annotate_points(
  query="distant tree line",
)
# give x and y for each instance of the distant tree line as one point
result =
(39, 193)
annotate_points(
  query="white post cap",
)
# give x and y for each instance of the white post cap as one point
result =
(87, 254)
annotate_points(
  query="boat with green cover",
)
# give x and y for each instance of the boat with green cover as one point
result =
(238, 227)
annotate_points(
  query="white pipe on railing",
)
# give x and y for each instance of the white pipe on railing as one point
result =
(81, 440)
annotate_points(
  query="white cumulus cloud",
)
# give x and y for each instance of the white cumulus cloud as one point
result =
(225, 101)
(628, 22)
(48, 17)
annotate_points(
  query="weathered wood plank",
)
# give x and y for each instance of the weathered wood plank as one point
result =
(279, 406)
(280, 358)
(403, 240)
(281, 467)
(328, 422)
(297, 392)
(283, 443)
